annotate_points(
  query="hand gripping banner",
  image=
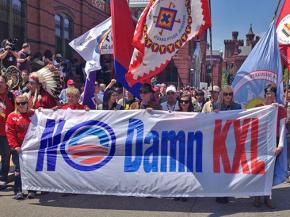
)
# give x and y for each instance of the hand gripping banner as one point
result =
(163, 28)
(151, 154)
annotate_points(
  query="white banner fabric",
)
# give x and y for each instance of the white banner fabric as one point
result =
(136, 153)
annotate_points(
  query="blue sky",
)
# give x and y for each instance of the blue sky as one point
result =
(237, 15)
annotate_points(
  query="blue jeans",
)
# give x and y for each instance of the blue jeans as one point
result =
(17, 179)
(5, 158)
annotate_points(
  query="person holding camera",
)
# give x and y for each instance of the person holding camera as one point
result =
(9, 55)
(24, 57)
(59, 64)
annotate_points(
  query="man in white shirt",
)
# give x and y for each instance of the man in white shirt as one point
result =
(171, 104)
(208, 106)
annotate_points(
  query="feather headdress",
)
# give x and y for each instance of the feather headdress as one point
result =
(49, 79)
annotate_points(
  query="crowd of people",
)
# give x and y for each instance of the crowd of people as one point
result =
(45, 84)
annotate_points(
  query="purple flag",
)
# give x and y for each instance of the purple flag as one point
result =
(89, 90)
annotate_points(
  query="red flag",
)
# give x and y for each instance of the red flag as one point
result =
(163, 28)
(122, 33)
(283, 32)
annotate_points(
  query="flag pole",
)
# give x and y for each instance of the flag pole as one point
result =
(124, 90)
(287, 83)
(276, 10)
(210, 47)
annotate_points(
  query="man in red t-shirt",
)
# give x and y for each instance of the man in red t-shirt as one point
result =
(73, 97)
(6, 107)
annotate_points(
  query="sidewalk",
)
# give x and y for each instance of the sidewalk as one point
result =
(59, 205)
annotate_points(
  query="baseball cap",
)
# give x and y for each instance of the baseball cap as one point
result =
(25, 45)
(58, 55)
(156, 88)
(171, 88)
(70, 82)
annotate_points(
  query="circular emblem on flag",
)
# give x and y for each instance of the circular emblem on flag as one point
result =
(88, 146)
(246, 87)
(283, 30)
(172, 27)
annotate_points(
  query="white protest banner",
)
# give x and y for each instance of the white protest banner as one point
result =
(151, 154)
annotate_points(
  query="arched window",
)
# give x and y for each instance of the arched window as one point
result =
(63, 34)
(12, 20)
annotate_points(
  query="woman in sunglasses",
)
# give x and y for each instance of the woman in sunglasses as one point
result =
(226, 101)
(185, 103)
(16, 127)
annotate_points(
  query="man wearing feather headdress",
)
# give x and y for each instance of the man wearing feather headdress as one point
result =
(44, 87)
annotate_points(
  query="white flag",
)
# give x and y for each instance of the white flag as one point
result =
(89, 45)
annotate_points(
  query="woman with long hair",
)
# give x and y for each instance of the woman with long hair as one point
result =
(16, 127)
(226, 100)
(110, 101)
(226, 103)
(185, 103)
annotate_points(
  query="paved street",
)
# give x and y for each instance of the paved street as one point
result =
(54, 205)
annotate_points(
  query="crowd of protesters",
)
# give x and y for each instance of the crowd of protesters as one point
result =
(19, 103)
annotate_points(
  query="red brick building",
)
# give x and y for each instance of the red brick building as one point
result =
(50, 24)
(236, 52)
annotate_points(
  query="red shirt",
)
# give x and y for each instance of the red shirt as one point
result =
(6, 107)
(16, 128)
(73, 107)
(45, 101)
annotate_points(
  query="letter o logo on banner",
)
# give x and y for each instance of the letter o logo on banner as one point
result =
(89, 145)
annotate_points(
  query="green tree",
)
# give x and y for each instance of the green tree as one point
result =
(224, 82)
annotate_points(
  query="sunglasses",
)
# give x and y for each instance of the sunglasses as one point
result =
(228, 94)
(21, 103)
(184, 101)
(170, 93)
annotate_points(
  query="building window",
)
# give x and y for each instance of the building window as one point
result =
(12, 20)
(63, 34)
